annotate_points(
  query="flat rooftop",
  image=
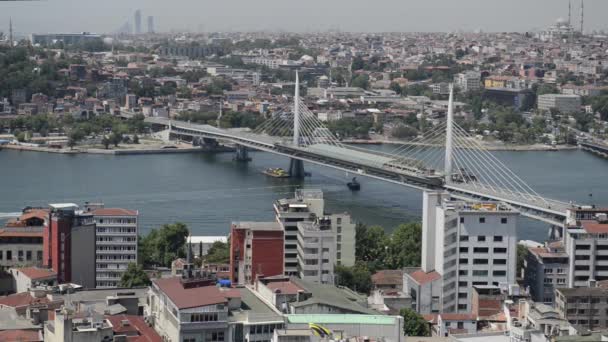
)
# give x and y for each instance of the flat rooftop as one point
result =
(258, 226)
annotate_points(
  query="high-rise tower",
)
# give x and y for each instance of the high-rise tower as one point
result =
(10, 32)
(137, 22)
(582, 15)
(150, 24)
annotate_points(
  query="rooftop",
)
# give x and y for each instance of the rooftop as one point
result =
(193, 297)
(342, 319)
(342, 298)
(21, 335)
(422, 277)
(134, 327)
(35, 273)
(584, 291)
(388, 277)
(114, 212)
(258, 226)
(284, 287)
(595, 227)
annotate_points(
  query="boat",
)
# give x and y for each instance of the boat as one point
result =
(354, 185)
(276, 172)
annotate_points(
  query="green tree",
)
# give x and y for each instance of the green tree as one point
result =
(162, 246)
(135, 276)
(371, 245)
(414, 324)
(135, 139)
(600, 105)
(522, 253)
(105, 141)
(357, 278)
(116, 138)
(219, 253)
(361, 81)
(405, 246)
(75, 136)
(404, 132)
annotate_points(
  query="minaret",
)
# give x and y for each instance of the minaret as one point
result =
(582, 15)
(10, 31)
(570, 13)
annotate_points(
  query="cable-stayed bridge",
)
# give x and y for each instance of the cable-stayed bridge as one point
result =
(444, 157)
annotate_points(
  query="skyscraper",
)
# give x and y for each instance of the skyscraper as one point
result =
(150, 24)
(137, 22)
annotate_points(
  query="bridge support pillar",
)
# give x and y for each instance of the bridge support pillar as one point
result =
(296, 168)
(242, 154)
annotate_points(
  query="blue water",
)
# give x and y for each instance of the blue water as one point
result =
(208, 192)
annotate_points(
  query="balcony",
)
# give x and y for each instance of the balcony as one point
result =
(115, 252)
(116, 243)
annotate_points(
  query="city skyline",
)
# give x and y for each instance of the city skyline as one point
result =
(357, 16)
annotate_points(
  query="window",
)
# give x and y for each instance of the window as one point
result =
(464, 238)
(503, 220)
(480, 261)
(462, 295)
(499, 273)
(500, 250)
(561, 280)
(339, 229)
(462, 272)
(583, 247)
(463, 261)
(500, 261)
(28, 255)
(477, 273)
(9, 255)
(581, 257)
(339, 220)
(498, 239)
(481, 238)
(482, 220)
(464, 249)
(581, 268)
(480, 250)
(462, 307)
(460, 325)
(461, 219)
(463, 284)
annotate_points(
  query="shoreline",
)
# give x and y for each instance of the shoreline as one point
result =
(514, 148)
(117, 152)
(224, 149)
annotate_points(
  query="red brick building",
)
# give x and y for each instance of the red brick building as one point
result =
(256, 249)
(70, 235)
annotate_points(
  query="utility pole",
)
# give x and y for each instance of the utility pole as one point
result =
(449, 137)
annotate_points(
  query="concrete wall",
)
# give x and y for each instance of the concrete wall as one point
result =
(83, 255)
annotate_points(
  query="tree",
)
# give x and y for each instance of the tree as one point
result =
(135, 276)
(219, 253)
(600, 105)
(116, 138)
(75, 136)
(162, 246)
(357, 278)
(522, 253)
(105, 141)
(361, 81)
(404, 132)
(135, 139)
(414, 324)
(371, 245)
(405, 246)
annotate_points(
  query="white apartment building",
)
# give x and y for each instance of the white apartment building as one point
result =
(587, 245)
(560, 102)
(116, 245)
(466, 245)
(316, 251)
(308, 205)
(468, 81)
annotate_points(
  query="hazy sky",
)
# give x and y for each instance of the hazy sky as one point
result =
(293, 15)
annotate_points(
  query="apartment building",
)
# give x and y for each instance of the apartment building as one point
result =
(546, 269)
(463, 245)
(116, 242)
(584, 307)
(256, 249)
(309, 205)
(69, 244)
(562, 103)
(316, 251)
(586, 242)
(468, 81)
